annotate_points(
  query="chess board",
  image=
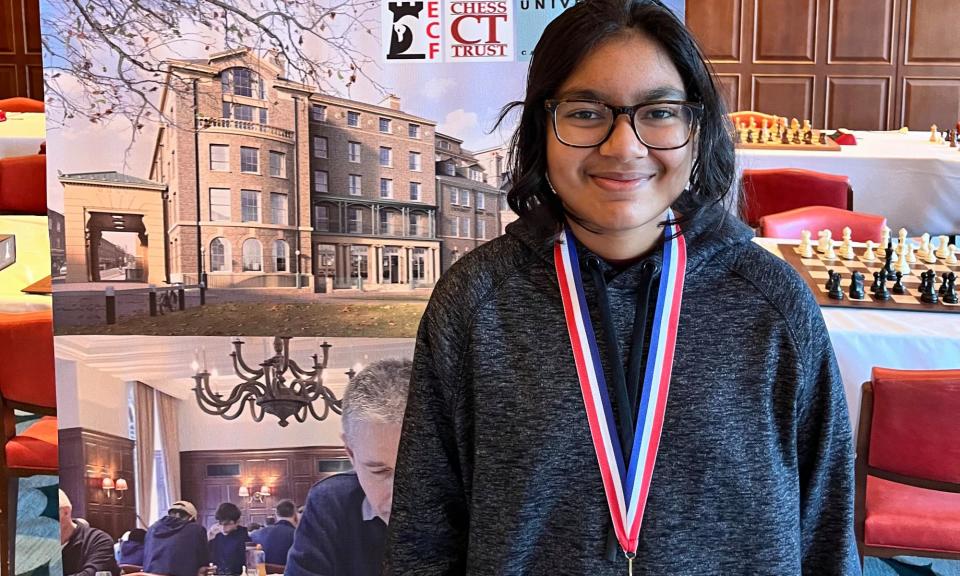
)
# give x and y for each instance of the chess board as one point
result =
(814, 272)
(830, 146)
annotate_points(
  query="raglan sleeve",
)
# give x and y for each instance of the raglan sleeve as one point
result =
(428, 523)
(825, 457)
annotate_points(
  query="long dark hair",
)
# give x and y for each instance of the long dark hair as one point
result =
(567, 40)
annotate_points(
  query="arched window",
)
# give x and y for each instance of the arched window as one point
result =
(220, 255)
(242, 82)
(252, 255)
(280, 255)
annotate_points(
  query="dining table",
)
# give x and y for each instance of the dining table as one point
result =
(22, 133)
(32, 264)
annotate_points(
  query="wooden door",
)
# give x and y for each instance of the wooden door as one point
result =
(21, 66)
(928, 90)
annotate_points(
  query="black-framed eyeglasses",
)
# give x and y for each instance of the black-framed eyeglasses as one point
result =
(659, 124)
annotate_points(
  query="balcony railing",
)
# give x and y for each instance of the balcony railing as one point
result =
(249, 126)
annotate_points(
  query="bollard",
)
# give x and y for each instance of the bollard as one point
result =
(111, 305)
(203, 293)
(153, 299)
(182, 301)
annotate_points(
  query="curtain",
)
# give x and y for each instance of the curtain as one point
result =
(143, 404)
(169, 443)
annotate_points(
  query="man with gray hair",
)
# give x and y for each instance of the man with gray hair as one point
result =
(86, 550)
(344, 524)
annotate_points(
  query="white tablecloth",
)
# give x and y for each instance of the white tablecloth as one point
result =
(33, 263)
(863, 339)
(21, 134)
(914, 183)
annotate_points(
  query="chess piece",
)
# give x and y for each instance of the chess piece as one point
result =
(902, 265)
(931, 258)
(898, 287)
(830, 254)
(911, 255)
(856, 286)
(884, 239)
(952, 138)
(805, 248)
(882, 293)
(836, 290)
(901, 240)
(924, 246)
(943, 249)
(933, 133)
(943, 284)
(794, 125)
(823, 138)
(888, 259)
(765, 131)
(928, 292)
(824, 240)
(742, 134)
(846, 249)
(952, 258)
(869, 255)
(950, 292)
(829, 284)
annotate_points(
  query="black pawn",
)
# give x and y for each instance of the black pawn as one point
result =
(882, 292)
(836, 290)
(898, 287)
(876, 283)
(929, 294)
(950, 294)
(943, 284)
(856, 286)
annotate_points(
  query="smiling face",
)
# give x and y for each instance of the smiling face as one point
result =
(618, 192)
(372, 448)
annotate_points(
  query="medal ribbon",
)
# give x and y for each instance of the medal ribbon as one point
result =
(626, 488)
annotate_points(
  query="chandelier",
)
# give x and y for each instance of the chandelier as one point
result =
(269, 390)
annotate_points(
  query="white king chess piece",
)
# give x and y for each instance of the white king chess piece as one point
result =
(870, 255)
(806, 249)
(943, 250)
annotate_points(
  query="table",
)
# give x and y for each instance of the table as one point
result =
(33, 264)
(914, 183)
(863, 339)
(22, 133)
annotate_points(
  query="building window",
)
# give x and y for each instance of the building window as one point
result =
(320, 181)
(449, 169)
(321, 216)
(480, 201)
(444, 145)
(319, 146)
(250, 205)
(353, 151)
(454, 195)
(219, 157)
(354, 184)
(249, 160)
(481, 229)
(503, 202)
(385, 125)
(355, 223)
(413, 130)
(414, 221)
(263, 115)
(353, 119)
(465, 226)
(453, 225)
(385, 223)
(386, 157)
(278, 209)
(476, 175)
(240, 112)
(318, 113)
(242, 82)
(280, 256)
(414, 191)
(219, 255)
(278, 164)
(465, 197)
(415, 164)
(220, 204)
(252, 255)
(326, 255)
(386, 188)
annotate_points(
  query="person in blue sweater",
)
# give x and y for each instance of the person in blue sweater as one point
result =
(342, 530)
(175, 544)
(228, 548)
(276, 538)
(131, 549)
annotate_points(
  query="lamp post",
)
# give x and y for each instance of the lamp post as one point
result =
(203, 271)
(297, 253)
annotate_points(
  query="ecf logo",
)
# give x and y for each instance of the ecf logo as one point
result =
(411, 30)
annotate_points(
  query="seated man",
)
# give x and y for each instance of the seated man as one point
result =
(228, 548)
(276, 538)
(175, 544)
(86, 550)
(343, 526)
(131, 549)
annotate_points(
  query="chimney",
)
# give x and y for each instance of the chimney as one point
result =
(392, 101)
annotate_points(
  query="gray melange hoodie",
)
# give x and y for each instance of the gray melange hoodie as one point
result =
(497, 473)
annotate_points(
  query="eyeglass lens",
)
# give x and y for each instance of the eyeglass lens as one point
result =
(657, 125)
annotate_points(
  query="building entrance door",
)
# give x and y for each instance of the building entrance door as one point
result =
(391, 266)
(116, 246)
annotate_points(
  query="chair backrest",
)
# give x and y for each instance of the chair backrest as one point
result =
(781, 189)
(914, 427)
(23, 185)
(21, 104)
(26, 359)
(746, 115)
(130, 568)
(275, 568)
(789, 224)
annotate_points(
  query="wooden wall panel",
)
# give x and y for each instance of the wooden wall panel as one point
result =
(785, 31)
(929, 101)
(858, 102)
(729, 86)
(931, 32)
(790, 96)
(862, 31)
(289, 473)
(716, 25)
(20, 49)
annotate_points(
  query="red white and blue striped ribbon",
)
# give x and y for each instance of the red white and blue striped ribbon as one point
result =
(626, 488)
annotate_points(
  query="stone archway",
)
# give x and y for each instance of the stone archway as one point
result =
(100, 251)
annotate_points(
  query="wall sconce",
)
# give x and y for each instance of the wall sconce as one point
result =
(264, 492)
(108, 486)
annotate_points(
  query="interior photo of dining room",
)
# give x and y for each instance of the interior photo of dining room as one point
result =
(147, 422)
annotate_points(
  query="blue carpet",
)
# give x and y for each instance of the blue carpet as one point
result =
(910, 566)
(38, 522)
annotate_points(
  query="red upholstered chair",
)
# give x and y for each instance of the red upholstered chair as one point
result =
(908, 464)
(789, 224)
(20, 104)
(745, 116)
(23, 185)
(781, 189)
(26, 383)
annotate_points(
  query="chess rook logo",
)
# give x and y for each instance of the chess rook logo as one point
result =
(415, 30)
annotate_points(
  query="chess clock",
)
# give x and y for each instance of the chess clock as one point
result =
(8, 250)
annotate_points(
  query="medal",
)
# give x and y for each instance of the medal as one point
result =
(625, 477)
